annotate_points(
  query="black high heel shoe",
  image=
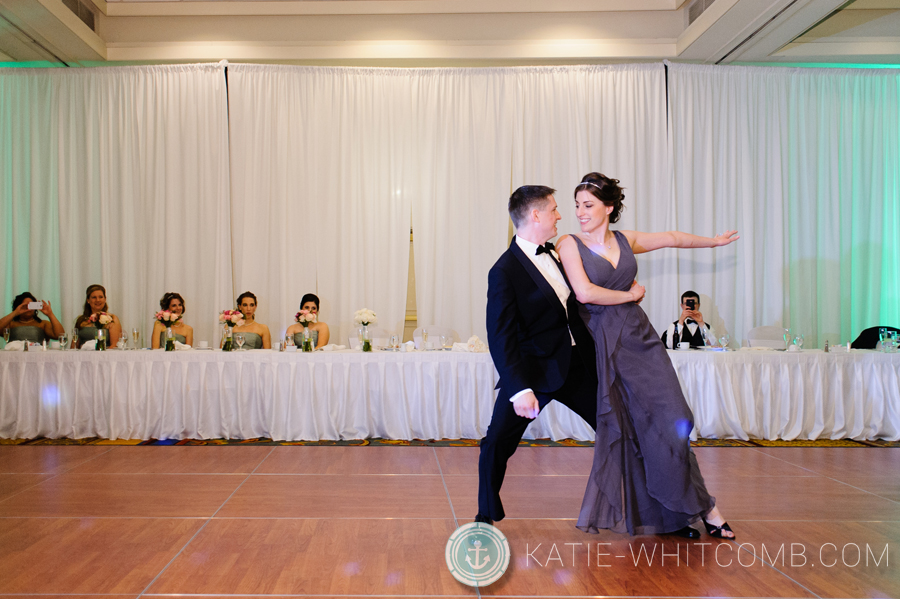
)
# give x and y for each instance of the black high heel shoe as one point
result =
(716, 531)
(687, 532)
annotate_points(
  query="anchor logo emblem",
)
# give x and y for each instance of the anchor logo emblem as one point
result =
(477, 554)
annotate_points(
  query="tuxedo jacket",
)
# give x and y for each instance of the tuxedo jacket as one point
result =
(527, 327)
(695, 339)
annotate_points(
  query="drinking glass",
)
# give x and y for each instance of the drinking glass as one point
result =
(447, 342)
(123, 341)
(424, 337)
(724, 339)
(64, 341)
(6, 335)
(787, 337)
(136, 338)
(395, 341)
(239, 339)
(798, 340)
(883, 336)
(892, 341)
(288, 341)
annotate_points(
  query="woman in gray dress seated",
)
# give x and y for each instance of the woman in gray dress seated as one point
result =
(256, 335)
(645, 478)
(95, 303)
(173, 302)
(317, 330)
(27, 325)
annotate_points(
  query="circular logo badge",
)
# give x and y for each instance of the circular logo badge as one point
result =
(477, 554)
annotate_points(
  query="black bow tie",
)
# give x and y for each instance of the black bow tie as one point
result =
(544, 249)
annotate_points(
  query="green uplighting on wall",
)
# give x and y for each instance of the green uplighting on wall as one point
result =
(817, 65)
(36, 64)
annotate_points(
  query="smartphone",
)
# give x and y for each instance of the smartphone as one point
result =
(691, 303)
(35, 305)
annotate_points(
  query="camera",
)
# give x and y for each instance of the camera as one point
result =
(35, 305)
(691, 303)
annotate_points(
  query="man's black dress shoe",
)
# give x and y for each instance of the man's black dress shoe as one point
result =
(486, 520)
(687, 532)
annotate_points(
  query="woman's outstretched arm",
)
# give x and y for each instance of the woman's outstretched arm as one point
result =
(642, 243)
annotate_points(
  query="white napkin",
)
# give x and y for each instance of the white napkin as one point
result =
(89, 345)
(181, 346)
(476, 345)
(460, 346)
(15, 346)
(333, 347)
(410, 346)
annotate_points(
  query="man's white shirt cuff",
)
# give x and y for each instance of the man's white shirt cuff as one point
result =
(520, 393)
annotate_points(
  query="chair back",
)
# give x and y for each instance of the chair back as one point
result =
(434, 334)
(766, 336)
(869, 339)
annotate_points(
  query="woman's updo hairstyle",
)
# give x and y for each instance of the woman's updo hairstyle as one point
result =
(244, 296)
(167, 299)
(309, 297)
(606, 190)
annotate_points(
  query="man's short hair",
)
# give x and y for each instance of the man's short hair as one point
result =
(526, 198)
(688, 294)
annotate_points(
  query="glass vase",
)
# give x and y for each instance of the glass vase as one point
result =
(101, 339)
(365, 341)
(170, 339)
(307, 340)
(227, 344)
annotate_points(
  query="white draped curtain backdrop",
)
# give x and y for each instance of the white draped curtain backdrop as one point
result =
(116, 176)
(331, 165)
(805, 163)
(307, 179)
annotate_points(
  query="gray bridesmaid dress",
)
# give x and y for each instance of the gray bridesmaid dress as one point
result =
(645, 478)
(178, 338)
(27, 333)
(251, 341)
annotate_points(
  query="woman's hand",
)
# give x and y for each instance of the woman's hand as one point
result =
(637, 292)
(726, 238)
(45, 309)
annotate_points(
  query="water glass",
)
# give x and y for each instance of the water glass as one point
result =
(395, 341)
(64, 341)
(787, 336)
(123, 341)
(798, 340)
(6, 335)
(288, 341)
(424, 337)
(883, 336)
(724, 339)
(447, 342)
(239, 339)
(892, 341)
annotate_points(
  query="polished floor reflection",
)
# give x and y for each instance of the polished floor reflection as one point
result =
(126, 522)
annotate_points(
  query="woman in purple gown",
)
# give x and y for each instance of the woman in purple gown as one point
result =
(645, 478)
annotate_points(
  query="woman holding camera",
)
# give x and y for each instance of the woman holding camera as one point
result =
(25, 324)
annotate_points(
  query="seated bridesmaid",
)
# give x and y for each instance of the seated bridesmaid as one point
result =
(173, 302)
(256, 335)
(95, 303)
(27, 325)
(317, 330)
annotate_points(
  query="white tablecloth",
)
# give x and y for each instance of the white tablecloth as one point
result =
(259, 393)
(421, 395)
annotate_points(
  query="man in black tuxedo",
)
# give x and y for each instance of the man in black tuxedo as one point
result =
(538, 341)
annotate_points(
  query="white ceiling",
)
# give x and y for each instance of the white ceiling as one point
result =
(451, 32)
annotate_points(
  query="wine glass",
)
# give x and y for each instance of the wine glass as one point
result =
(724, 339)
(798, 340)
(425, 338)
(136, 338)
(883, 336)
(447, 342)
(63, 341)
(239, 339)
(787, 337)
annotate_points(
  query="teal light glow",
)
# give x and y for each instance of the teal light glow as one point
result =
(37, 64)
(816, 65)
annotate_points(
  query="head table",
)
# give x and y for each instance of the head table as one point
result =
(417, 395)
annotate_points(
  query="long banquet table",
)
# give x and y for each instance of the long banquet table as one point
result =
(418, 395)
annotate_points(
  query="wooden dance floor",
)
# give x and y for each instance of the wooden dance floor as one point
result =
(263, 521)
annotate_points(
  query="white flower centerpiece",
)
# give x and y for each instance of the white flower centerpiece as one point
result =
(365, 317)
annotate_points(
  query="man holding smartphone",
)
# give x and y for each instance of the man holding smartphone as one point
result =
(689, 327)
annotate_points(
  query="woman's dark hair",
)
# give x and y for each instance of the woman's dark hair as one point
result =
(243, 296)
(27, 295)
(309, 297)
(606, 190)
(87, 306)
(167, 299)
